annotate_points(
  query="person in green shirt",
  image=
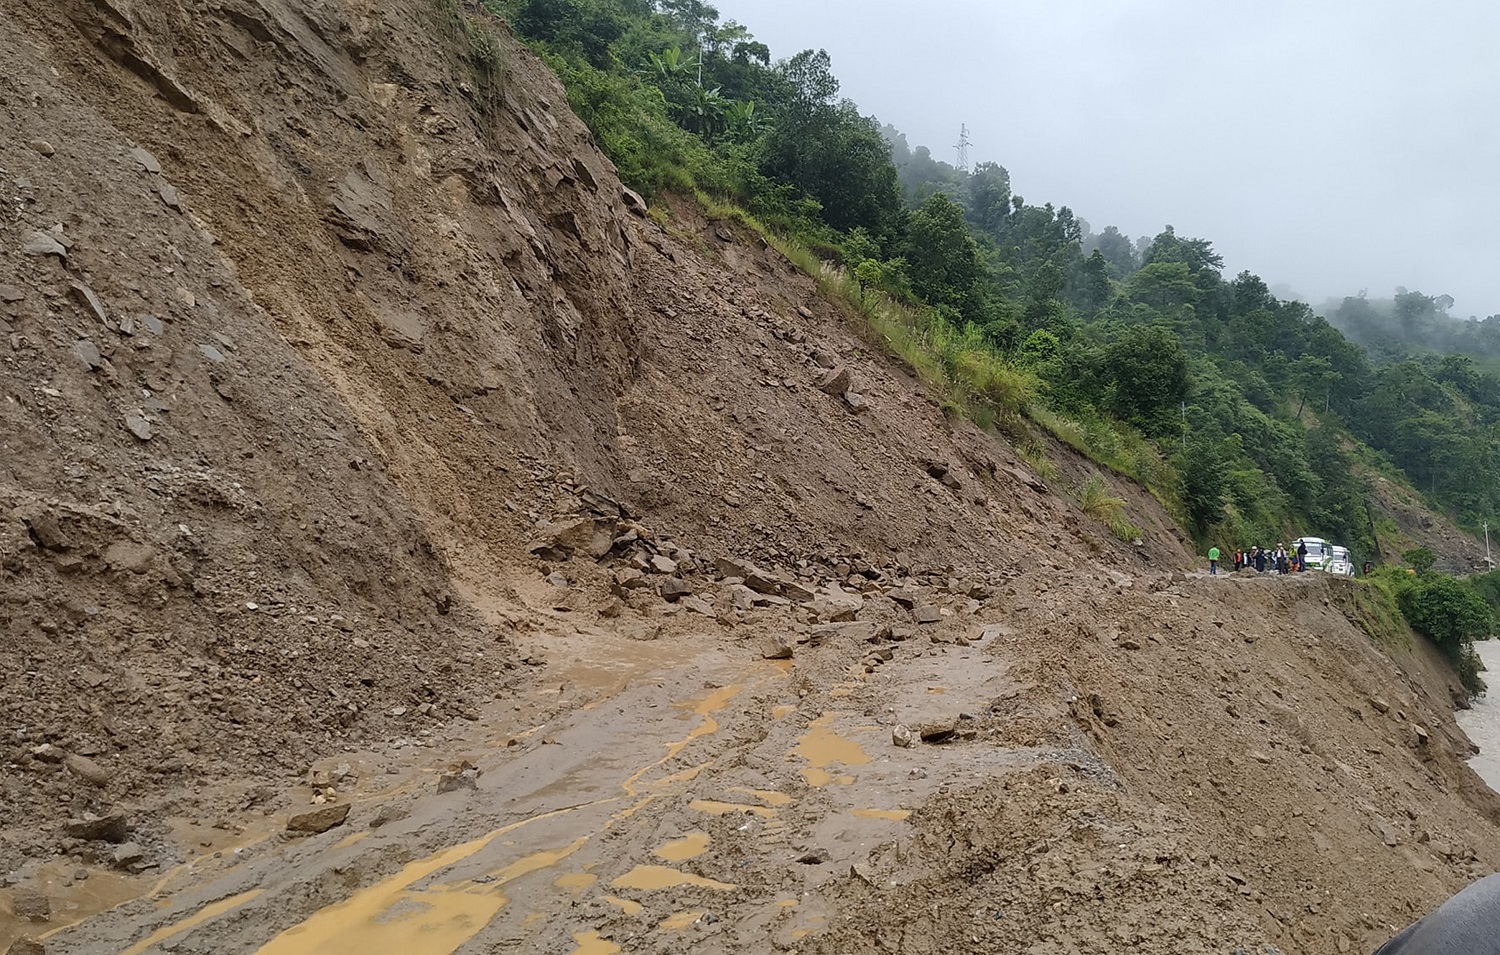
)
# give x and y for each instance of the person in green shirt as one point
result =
(1213, 560)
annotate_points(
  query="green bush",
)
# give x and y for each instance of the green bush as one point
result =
(1446, 611)
(1095, 499)
(1451, 615)
(1123, 529)
(1419, 559)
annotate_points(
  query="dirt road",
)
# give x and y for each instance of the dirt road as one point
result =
(352, 432)
(681, 793)
(686, 790)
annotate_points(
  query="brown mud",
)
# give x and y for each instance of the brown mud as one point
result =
(361, 445)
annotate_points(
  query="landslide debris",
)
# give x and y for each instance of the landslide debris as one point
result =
(332, 390)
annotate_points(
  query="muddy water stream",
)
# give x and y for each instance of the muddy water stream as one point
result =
(1482, 723)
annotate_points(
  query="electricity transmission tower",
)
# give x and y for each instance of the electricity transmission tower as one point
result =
(963, 147)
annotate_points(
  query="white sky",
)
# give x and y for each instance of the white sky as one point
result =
(1330, 145)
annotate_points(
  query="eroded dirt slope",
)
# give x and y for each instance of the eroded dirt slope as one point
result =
(317, 298)
(195, 528)
(333, 328)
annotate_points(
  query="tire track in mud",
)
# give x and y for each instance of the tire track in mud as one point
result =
(436, 903)
(729, 824)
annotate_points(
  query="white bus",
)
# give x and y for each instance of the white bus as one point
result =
(1341, 564)
(1319, 552)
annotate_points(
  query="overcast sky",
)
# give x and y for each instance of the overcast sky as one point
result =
(1327, 145)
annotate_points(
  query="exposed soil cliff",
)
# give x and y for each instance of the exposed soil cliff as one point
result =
(357, 422)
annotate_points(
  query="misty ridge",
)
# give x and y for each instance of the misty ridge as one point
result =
(1412, 324)
(1406, 325)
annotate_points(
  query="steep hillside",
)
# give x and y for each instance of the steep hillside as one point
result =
(324, 326)
(207, 567)
(342, 376)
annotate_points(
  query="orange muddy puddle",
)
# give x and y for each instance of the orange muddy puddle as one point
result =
(725, 808)
(575, 882)
(391, 918)
(704, 708)
(651, 877)
(625, 905)
(351, 840)
(891, 815)
(768, 796)
(205, 914)
(589, 943)
(823, 748)
(691, 846)
(71, 904)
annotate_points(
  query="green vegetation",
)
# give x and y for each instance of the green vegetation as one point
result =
(1252, 419)
(1419, 559)
(1095, 500)
(1372, 607)
(477, 32)
(1453, 613)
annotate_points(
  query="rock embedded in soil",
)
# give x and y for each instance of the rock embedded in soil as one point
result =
(88, 770)
(836, 605)
(901, 735)
(835, 382)
(145, 160)
(774, 647)
(112, 827)
(906, 598)
(89, 302)
(938, 731)
(741, 597)
(389, 814)
(127, 855)
(139, 427)
(928, 614)
(318, 820)
(87, 354)
(31, 905)
(464, 775)
(558, 540)
(674, 589)
(41, 243)
(169, 194)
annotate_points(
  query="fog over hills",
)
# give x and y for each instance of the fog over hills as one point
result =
(1331, 147)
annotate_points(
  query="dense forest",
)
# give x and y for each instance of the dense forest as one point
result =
(1254, 419)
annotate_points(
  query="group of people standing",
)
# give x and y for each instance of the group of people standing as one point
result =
(1279, 560)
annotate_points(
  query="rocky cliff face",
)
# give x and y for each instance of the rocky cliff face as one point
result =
(339, 375)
